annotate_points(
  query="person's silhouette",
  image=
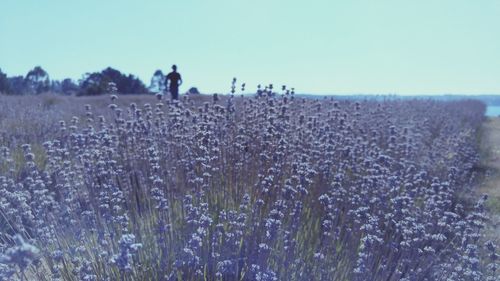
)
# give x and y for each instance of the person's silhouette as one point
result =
(173, 82)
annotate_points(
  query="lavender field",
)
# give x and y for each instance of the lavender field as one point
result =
(265, 187)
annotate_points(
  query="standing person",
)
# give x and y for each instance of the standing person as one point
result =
(173, 82)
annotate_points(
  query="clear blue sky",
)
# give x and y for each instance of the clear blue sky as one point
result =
(326, 46)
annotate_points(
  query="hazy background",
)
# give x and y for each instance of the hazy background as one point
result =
(402, 47)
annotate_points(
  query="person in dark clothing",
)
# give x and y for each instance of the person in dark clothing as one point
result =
(173, 82)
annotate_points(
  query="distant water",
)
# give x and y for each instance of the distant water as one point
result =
(492, 110)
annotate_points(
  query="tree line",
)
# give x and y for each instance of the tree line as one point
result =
(37, 81)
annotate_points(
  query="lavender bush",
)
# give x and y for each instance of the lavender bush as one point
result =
(269, 187)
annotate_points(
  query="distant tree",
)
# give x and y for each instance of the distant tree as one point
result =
(4, 83)
(193, 91)
(55, 86)
(157, 82)
(113, 75)
(97, 83)
(92, 84)
(37, 80)
(17, 85)
(68, 87)
(134, 85)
